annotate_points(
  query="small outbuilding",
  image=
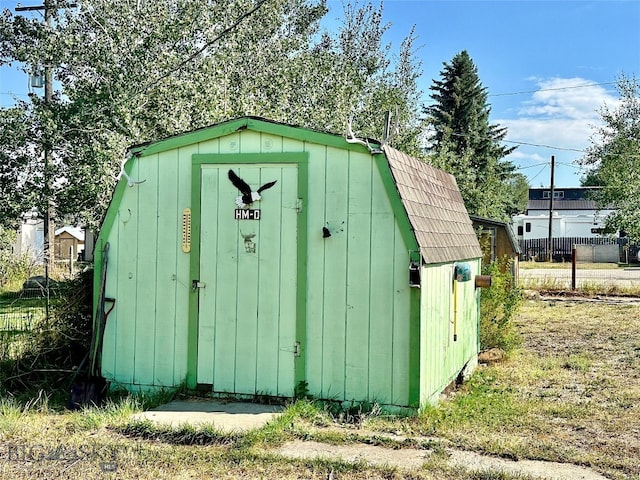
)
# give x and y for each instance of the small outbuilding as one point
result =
(498, 241)
(257, 258)
(69, 242)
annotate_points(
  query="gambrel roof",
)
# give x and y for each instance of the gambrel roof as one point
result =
(435, 209)
(430, 197)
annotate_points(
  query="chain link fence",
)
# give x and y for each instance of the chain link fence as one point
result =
(595, 265)
(20, 313)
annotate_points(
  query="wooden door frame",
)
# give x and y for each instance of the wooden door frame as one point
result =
(301, 159)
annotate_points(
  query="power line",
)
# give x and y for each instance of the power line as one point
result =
(224, 32)
(524, 92)
(527, 92)
(541, 170)
(534, 165)
(578, 167)
(540, 145)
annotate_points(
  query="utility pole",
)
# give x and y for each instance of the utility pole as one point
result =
(49, 230)
(551, 195)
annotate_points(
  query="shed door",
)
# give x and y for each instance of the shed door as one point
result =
(247, 299)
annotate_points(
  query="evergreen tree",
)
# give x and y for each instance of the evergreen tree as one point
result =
(467, 145)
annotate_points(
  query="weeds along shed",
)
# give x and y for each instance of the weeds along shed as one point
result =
(257, 258)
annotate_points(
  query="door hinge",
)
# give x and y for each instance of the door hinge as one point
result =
(296, 349)
(195, 284)
(298, 205)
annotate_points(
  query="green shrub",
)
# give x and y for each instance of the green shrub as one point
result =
(498, 306)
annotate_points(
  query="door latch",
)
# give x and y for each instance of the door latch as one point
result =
(195, 284)
(296, 349)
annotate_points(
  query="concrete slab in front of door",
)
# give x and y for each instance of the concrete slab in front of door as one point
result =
(225, 416)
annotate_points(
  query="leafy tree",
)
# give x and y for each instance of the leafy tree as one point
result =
(614, 159)
(467, 145)
(517, 194)
(591, 179)
(17, 177)
(132, 72)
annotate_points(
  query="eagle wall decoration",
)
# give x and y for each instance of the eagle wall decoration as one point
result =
(248, 196)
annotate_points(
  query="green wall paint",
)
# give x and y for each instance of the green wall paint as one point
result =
(442, 357)
(363, 333)
(358, 295)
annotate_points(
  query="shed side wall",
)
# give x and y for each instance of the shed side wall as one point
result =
(441, 357)
(146, 334)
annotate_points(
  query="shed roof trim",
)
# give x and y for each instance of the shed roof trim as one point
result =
(483, 221)
(254, 123)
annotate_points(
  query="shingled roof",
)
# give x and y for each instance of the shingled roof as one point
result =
(435, 208)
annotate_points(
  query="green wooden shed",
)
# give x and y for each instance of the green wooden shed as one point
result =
(250, 257)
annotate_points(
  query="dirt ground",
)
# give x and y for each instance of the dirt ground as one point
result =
(410, 459)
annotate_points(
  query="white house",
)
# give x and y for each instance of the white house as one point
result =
(574, 214)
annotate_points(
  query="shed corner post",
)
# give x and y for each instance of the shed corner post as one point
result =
(415, 346)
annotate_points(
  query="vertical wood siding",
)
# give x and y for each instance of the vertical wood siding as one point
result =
(358, 295)
(358, 299)
(148, 275)
(442, 358)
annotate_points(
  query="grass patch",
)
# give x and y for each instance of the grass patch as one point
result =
(569, 393)
(578, 363)
(547, 283)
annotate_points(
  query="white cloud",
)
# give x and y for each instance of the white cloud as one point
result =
(556, 132)
(574, 98)
(557, 115)
(520, 155)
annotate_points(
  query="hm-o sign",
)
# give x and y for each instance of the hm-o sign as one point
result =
(247, 214)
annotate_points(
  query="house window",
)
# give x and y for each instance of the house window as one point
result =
(527, 226)
(556, 194)
(520, 230)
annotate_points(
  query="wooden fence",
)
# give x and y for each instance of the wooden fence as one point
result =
(536, 249)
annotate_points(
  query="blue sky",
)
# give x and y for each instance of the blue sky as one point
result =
(537, 47)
